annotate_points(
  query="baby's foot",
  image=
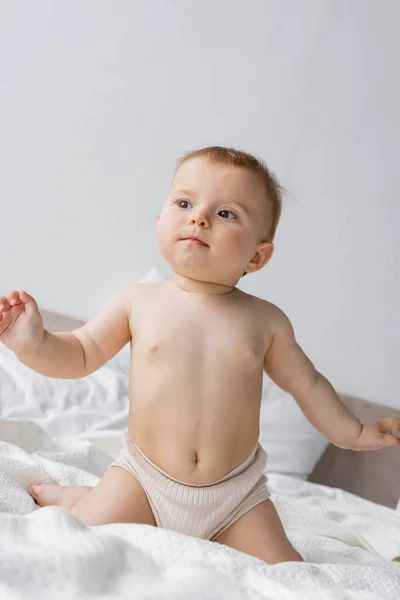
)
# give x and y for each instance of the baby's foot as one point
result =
(52, 494)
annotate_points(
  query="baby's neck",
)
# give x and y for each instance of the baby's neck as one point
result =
(202, 287)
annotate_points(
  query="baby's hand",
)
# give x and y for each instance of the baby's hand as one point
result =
(21, 323)
(377, 435)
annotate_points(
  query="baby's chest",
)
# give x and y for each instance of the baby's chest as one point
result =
(168, 337)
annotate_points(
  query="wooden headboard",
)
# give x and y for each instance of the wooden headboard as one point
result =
(374, 475)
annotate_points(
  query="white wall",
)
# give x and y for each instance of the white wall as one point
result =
(99, 98)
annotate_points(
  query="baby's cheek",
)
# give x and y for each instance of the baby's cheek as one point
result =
(160, 238)
(234, 246)
(166, 223)
(165, 241)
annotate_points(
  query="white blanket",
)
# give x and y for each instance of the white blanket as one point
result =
(350, 545)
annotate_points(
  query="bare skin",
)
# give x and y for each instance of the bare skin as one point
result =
(199, 435)
(198, 349)
(171, 350)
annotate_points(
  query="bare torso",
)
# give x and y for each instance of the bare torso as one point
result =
(196, 378)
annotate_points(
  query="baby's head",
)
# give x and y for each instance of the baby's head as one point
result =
(231, 201)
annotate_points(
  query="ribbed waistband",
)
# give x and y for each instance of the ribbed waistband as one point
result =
(133, 447)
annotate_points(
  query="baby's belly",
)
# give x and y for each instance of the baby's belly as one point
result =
(197, 437)
(188, 462)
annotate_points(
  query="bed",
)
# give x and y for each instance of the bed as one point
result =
(342, 518)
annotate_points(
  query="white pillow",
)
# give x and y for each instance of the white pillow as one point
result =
(293, 445)
(62, 406)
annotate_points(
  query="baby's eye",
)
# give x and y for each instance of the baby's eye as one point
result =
(227, 211)
(180, 202)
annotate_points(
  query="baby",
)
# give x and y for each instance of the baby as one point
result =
(190, 459)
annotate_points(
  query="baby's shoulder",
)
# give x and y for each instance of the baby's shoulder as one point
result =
(268, 312)
(147, 285)
(145, 289)
(138, 297)
(135, 292)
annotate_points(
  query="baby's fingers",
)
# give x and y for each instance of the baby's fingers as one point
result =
(4, 304)
(391, 439)
(391, 423)
(13, 298)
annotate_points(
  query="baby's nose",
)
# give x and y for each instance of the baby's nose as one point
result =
(200, 219)
(200, 222)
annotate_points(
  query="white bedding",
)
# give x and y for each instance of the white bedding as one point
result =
(350, 544)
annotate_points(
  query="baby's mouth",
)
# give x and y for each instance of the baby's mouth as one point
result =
(195, 241)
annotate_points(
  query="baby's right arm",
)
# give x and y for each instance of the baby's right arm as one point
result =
(76, 354)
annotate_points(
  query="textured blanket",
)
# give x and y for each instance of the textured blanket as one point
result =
(351, 545)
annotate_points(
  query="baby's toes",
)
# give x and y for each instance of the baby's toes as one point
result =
(52, 494)
(46, 494)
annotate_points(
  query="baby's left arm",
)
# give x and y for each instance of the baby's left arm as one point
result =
(291, 369)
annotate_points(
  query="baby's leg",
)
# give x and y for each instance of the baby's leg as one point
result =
(117, 498)
(260, 532)
(52, 494)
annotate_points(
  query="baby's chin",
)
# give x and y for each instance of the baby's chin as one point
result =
(195, 262)
(198, 273)
(201, 274)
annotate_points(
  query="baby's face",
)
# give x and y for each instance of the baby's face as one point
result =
(225, 207)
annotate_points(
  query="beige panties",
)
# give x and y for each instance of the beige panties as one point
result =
(202, 511)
